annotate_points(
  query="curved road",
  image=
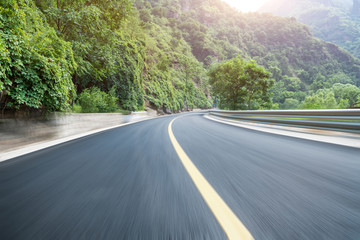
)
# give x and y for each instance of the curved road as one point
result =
(129, 183)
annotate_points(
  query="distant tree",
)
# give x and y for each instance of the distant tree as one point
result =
(290, 103)
(241, 84)
(320, 82)
(322, 99)
(338, 96)
(347, 92)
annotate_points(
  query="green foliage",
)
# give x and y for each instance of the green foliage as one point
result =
(290, 103)
(174, 79)
(323, 99)
(93, 100)
(35, 64)
(68, 16)
(241, 84)
(2, 86)
(332, 21)
(126, 55)
(338, 96)
(299, 63)
(76, 108)
(128, 78)
(176, 94)
(346, 93)
(158, 55)
(106, 57)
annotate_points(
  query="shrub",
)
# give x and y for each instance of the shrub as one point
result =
(76, 108)
(93, 100)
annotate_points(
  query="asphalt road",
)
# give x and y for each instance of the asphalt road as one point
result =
(128, 183)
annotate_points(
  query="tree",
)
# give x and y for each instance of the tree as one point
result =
(91, 26)
(35, 64)
(322, 99)
(347, 92)
(339, 96)
(241, 84)
(290, 103)
(68, 15)
(106, 53)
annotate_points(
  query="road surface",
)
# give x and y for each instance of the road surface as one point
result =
(129, 183)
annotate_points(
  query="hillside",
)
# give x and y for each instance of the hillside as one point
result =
(332, 21)
(55, 55)
(295, 7)
(299, 62)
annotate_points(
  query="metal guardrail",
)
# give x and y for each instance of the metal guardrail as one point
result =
(341, 120)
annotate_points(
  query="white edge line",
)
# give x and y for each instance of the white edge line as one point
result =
(46, 144)
(325, 139)
(33, 147)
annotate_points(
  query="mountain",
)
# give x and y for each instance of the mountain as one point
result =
(332, 21)
(154, 53)
(54, 54)
(299, 62)
(296, 7)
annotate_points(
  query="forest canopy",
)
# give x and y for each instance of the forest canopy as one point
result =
(158, 54)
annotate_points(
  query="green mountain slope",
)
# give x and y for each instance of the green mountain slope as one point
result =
(299, 62)
(51, 51)
(295, 7)
(154, 53)
(333, 21)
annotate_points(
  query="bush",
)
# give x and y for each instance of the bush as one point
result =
(76, 108)
(95, 101)
(36, 65)
(290, 103)
(322, 99)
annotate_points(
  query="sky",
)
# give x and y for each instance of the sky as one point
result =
(246, 5)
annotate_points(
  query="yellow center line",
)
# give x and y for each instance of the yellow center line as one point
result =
(232, 226)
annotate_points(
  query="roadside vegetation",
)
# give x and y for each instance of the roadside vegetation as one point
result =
(240, 84)
(92, 100)
(103, 56)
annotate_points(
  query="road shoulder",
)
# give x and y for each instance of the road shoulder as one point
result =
(36, 146)
(333, 137)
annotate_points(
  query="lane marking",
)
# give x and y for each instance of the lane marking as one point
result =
(37, 146)
(232, 226)
(346, 140)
